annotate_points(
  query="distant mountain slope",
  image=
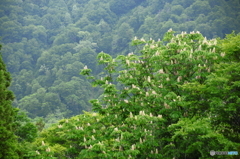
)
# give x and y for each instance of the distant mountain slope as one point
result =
(47, 42)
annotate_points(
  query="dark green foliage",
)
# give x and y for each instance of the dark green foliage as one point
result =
(8, 144)
(24, 129)
(46, 42)
(121, 7)
(40, 124)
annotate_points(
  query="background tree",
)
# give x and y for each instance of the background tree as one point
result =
(121, 7)
(45, 32)
(24, 129)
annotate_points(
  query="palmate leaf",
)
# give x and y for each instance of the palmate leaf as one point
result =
(85, 72)
(138, 42)
(194, 146)
(96, 105)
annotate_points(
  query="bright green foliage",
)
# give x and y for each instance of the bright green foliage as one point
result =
(197, 136)
(46, 42)
(150, 82)
(66, 138)
(230, 45)
(221, 90)
(8, 140)
(25, 131)
(147, 109)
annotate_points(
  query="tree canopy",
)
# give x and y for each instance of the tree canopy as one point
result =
(7, 114)
(147, 91)
(156, 103)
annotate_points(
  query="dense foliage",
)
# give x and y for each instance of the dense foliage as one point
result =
(8, 142)
(16, 129)
(171, 94)
(46, 42)
(156, 103)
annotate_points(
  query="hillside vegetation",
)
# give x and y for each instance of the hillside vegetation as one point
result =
(120, 79)
(177, 98)
(47, 42)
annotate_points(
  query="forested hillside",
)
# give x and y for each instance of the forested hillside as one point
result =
(176, 98)
(158, 78)
(47, 42)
